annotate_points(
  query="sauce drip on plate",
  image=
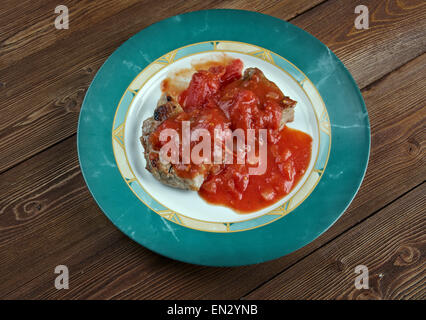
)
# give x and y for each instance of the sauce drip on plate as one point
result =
(218, 96)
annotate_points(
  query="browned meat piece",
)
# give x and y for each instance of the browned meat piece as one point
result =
(287, 116)
(289, 104)
(165, 173)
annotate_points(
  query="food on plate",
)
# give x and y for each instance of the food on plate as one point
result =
(220, 99)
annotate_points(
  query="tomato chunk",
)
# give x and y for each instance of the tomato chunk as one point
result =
(219, 96)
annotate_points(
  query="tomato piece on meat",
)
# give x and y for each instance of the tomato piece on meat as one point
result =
(220, 97)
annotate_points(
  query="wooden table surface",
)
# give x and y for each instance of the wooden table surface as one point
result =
(48, 217)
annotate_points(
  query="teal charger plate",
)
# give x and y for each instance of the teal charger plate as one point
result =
(166, 234)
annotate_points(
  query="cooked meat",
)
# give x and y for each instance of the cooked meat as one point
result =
(168, 107)
(165, 173)
(289, 104)
(287, 116)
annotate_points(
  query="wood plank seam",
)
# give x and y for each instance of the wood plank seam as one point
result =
(407, 256)
(382, 78)
(333, 239)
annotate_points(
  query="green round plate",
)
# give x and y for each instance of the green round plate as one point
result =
(180, 225)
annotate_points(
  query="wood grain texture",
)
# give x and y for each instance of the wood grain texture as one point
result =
(42, 90)
(396, 107)
(29, 28)
(395, 34)
(48, 217)
(392, 244)
(44, 72)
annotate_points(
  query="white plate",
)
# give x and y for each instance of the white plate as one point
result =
(189, 203)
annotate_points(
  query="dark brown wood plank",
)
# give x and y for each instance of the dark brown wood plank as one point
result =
(396, 111)
(47, 216)
(27, 27)
(41, 93)
(391, 244)
(395, 34)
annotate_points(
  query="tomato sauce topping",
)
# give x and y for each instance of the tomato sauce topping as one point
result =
(220, 97)
(287, 161)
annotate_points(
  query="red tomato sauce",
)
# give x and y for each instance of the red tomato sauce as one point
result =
(221, 97)
(287, 161)
(199, 119)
